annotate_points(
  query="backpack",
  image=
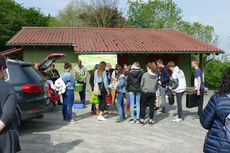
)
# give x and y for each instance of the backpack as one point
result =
(60, 85)
(227, 127)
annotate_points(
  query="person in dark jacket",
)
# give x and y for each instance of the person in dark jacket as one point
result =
(9, 141)
(164, 83)
(91, 82)
(214, 115)
(134, 89)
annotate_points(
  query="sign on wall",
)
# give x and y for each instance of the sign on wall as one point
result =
(91, 60)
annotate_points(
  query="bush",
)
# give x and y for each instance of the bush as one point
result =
(213, 73)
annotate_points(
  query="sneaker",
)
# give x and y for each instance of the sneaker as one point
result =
(175, 117)
(65, 119)
(119, 120)
(72, 121)
(142, 123)
(131, 121)
(93, 113)
(151, 123)
(178, 120)
(101, 118)
(137, 121)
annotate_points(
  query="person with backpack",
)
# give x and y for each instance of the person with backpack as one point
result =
(134, 89)
(215, 118)
(91, 82)
(9, 139)
(68, 95)
(81, 73)
(100, 78)
(149, 85)
(164, 83)
(179, 85)
(121, 94)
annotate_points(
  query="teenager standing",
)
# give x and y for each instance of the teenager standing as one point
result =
(68, 96)
(134, 89)
(149, 85)
(121, 94)
(91, 82)
(199, 85)
(81, 73)
(179, 85)
(164, 83)
(101, 78)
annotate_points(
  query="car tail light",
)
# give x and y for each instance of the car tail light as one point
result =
(31, 88)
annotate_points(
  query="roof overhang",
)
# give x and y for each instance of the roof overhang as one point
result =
(51, 44)
(149, 52)
(10, 51)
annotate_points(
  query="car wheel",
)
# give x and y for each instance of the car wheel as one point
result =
(19, 120)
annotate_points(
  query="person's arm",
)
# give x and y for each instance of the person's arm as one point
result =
(208, 114)
(8, 111)
(121, 82)
(75, 74)
(128, 82)
(105, 81)
(175, 81)
(199, 84)
(95, 77)
(71, 80)
(91, 81)
(58, 75)
(142, 82)
(86, 73)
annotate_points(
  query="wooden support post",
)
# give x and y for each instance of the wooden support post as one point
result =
(201, 63)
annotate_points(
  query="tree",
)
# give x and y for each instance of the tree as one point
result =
(13, 16)
(69, 17)
(99, 13)
(153, 14)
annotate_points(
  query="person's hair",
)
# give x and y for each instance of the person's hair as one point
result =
(171, 64)
(152, 66)
(52, 65)
(67, 65)
(95, 67)
(119, 72)
(224, 87)
(3, 62)
(101, 68)
(137, 64)
(117, 66)
(195, 62)
(108, 64)
(129, 67)
(159, 61)
(79, 61)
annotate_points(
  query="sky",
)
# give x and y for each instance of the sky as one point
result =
(208, 12)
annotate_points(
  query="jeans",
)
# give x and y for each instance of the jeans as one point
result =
(135, 96)
(163, 91)
(68, 99)
(120, 105)
(179, 104)
(82, 93)
(200, 100)
(147, 98)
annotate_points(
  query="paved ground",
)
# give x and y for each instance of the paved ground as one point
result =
(52, 135)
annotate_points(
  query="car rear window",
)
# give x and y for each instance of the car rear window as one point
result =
(23, 74)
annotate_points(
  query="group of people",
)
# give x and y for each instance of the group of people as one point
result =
(142, 88)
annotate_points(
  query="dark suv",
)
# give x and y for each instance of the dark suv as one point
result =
(31, 87)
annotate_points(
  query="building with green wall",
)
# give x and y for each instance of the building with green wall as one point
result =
(129, 44)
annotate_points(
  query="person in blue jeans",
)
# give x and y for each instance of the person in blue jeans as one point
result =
(81, 73)
(68, 96)
(134, 89)
(121, 94)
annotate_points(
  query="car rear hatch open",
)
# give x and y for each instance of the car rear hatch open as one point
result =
(49, 60)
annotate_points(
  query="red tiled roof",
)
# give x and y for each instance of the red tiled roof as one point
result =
(9, 51)
(86, 39)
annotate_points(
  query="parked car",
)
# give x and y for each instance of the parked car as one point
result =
(43, 66)
(32, 90)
